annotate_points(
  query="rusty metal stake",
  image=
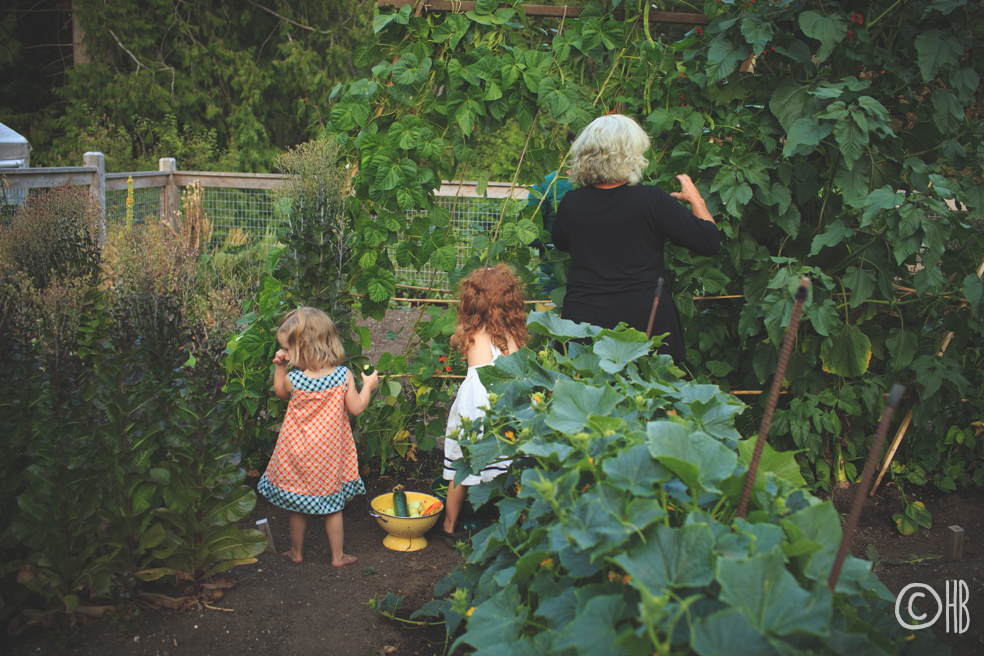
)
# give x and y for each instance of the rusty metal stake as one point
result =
(891, 402)
(770, 407)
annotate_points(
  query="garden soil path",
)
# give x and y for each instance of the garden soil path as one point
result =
(279, 608)
(917, 558)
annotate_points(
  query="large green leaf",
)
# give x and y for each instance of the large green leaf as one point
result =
(829, 30)
(833, 235)
(713, 280)
(229, 508)
(902, 344)
(698, 459)
(949, 112)
(444, 258)
(804, 136)
(551, 325)
(846, 354)
(824, 317)
(757, 32)
(935, 51)
(861, 282)
(560, 99)
(722, 59)
(819, 525)
(852, 138)
(520, 233)
(616, 353)
(574, 402)
(788, 102)
(601, 521)
(671, 558)
(594, 630)
(231, 543)
(494, 621)
(635, 470)
(382, 285)
(728, 633)
(770, 598)
(782, 464)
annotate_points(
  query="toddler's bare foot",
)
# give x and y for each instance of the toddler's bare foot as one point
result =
(290, 554)
(343, 561)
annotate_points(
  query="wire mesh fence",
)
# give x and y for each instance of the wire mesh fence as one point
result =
(146, 207)
(469, 217)
(240, 215)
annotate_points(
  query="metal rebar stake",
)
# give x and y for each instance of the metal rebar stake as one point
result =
(891, 402)
(770, 407)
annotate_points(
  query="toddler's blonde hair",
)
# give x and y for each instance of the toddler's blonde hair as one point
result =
(311, 336)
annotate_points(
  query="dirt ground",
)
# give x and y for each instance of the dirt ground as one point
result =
(917, 558)
(279, 608)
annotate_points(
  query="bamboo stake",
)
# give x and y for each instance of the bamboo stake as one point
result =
(908, 417)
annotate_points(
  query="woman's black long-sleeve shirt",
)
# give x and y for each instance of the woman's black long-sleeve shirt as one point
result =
(616, 239)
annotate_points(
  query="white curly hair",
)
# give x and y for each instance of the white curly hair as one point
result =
(609, 150)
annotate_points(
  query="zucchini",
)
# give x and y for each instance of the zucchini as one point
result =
(400, 502)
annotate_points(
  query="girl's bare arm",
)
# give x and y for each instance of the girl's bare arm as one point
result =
(282, 386)
(355, 401)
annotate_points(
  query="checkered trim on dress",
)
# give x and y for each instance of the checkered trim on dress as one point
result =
(310, 505)
(306, 384)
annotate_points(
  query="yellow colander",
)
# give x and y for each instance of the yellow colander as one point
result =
(404, 533)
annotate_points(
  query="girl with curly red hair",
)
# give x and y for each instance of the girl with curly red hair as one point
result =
(491, 322)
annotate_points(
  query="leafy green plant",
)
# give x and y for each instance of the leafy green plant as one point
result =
(205, 496)
(828, 143)
(118, 466)
(617, 531)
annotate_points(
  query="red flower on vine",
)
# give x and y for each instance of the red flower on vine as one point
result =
(441, 359)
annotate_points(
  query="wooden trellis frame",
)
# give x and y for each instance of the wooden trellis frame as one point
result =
(673, 17)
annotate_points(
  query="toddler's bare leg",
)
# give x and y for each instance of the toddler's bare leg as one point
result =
(298, 524)
(336, 539)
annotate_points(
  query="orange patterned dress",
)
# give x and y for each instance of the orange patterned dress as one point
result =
(315, 467)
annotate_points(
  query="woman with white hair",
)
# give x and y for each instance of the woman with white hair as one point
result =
(615, 229)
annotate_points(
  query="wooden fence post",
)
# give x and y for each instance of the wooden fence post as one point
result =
(97, 188)
(169, 194)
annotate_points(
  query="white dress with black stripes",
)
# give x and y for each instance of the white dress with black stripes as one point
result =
(471, 403)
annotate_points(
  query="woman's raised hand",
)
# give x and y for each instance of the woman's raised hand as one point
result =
(689, 194)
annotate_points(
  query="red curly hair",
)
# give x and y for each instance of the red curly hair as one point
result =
(492, 298)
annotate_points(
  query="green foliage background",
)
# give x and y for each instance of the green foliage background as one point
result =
(826, 141)
(231, 74)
